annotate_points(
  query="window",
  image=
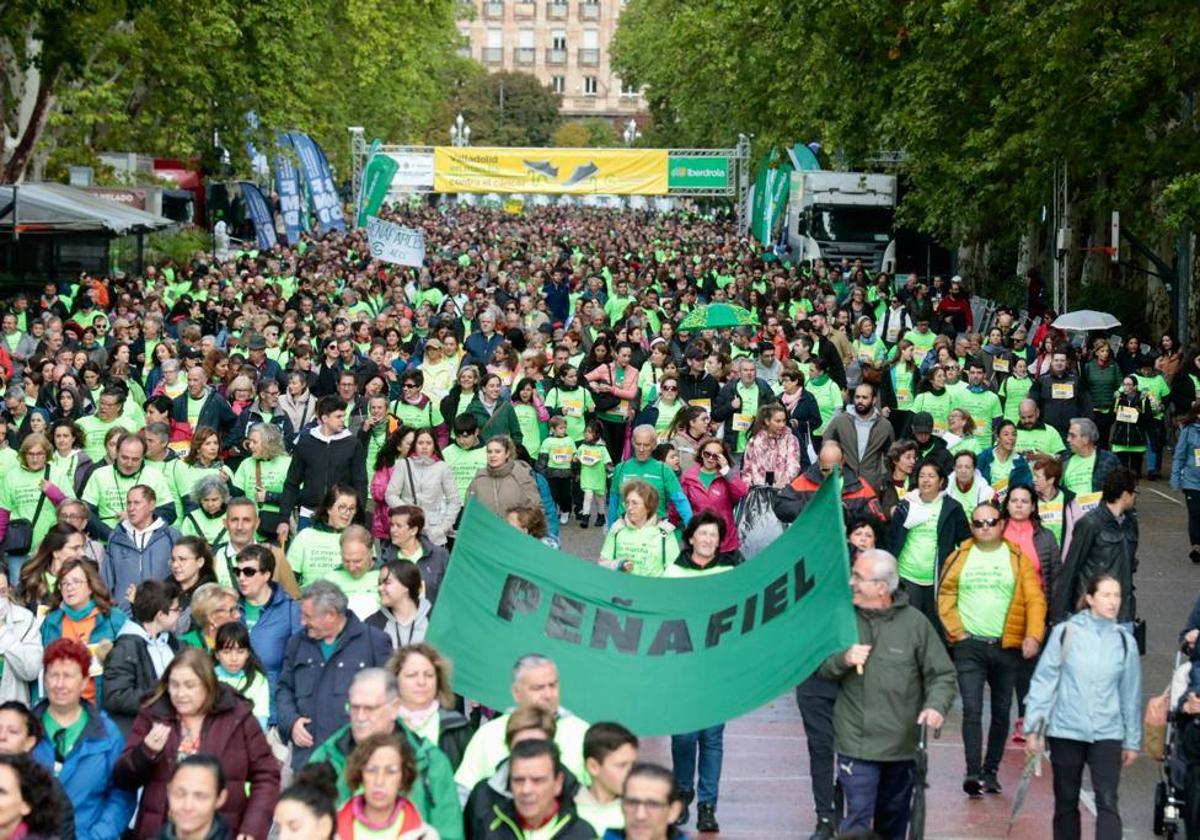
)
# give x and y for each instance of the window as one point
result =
(591, 39)
(589, 85)
(495, 38)
(558, 39)
(559, 83)
(628, 88)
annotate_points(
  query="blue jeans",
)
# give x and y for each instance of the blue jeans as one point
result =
(15, 562)
(878, 796)
(711, 744)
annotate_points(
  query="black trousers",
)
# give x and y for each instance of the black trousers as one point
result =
(1193, 511)
(614, 438)
(1103, 760)
(982, 664)
(816, 697)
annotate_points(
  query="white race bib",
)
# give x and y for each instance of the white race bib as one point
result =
(1127, 414)
(1062, 391)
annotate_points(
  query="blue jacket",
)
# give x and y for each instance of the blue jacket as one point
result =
(317, 688)
(1021, 473)
(552, 525)
(127, 563)
(480, 348)
(107, 627)
(278, 622)
(1185, 466)
(558, 299)
(102, 810)
(1097, 695)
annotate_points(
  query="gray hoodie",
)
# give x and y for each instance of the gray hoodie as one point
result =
(402, 634)
(160, 651)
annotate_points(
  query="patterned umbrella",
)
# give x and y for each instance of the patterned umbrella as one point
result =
(717, 316)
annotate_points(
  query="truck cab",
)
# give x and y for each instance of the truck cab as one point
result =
(836, 215)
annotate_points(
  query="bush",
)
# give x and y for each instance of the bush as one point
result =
(179, 245)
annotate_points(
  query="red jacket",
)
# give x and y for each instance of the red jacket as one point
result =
(233, 735)
(719, 497)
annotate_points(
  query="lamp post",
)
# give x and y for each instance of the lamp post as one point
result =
(631, 132)
(460, 132)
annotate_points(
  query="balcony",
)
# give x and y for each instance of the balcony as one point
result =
(589, 11)
(585, 101)
(525, 11)
(493, 55)
(556, 56)
(556, 11)
(493, 10)
(589, 57)
(525, 55)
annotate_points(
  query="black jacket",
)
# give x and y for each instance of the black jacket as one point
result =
(723, 410)
(128, 677)
(702, 387)
(490, 813)
(433, 562)
(214, 413)
(454, 733)
(952, 529)
(1099, 545)
(937, 452)
(1060, 411)
(317, 464)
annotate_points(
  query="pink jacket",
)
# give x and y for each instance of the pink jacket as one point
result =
(719, 497)
(607, 373)
(380, 527)
(766, 453)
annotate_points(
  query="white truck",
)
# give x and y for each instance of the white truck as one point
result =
(831, 215)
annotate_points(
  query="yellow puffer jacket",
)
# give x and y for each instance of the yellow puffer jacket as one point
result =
(1026, 614)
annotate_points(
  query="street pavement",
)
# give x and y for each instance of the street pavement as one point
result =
(765, 786)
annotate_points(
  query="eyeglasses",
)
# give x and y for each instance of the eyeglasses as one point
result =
(247, 571)
(652, 805)
(985, 523)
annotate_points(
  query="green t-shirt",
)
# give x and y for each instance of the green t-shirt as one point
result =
(829, 399)
(984, 409)
(573, 405)
(743, 417)
(94, 430)
(71, 734)
(922, 343)
(985, 591)
(531, 426)
(938, 406)
(593, 458)
(1077, 477)
(250, 613)
(559, 452)
(1046, 439)
(655, 473)
(362, 592)
(650, 549)
(1158, 390)
(918, 558)
(274, 474)
(315, 553)
(464, 465)
(1012, 391)
(1001, 472)
(19, 495)
(107, 489)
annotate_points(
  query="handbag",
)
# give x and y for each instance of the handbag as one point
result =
(1154, 725)
(606, 401)
(18, 539)
(1139, 635)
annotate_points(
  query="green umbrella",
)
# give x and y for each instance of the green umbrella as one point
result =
(717, 316)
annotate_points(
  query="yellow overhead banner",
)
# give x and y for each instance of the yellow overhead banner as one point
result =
(482, 169)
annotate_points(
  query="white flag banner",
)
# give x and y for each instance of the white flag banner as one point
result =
(393, 243)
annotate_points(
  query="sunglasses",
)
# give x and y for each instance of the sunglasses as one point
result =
(669, 388)
(986, 523)
(710, 454)
(246, 571)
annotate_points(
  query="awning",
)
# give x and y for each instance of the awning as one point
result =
(57, 208)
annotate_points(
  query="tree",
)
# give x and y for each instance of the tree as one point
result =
(593, 132)
(503, 109)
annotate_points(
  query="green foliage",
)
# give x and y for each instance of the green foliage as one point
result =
(1180, 202)
(180, 245)
(593, 132)
(502, 109)
(983, 98)
(164, 77)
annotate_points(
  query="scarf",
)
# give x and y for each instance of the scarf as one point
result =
(81, 613)
(414, 719)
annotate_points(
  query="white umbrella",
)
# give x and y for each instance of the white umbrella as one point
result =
(1083, 320)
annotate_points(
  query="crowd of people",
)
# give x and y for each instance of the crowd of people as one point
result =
(229, 493)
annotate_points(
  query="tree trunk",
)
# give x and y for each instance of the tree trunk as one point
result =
(15, 169)
(1029, 251)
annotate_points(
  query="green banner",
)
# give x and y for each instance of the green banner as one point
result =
(660, 655)
(377, 178)
(697, 173)
(770, 197)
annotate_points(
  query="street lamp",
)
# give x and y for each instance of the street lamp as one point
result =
(460, 132)
(631, 132)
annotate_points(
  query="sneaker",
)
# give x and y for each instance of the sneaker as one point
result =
(1195, 554)
(823, 831)
(991, 784)
(563, 518)
(1019, 731)
(972, 787)
(706, 817)
(600, 523)
(684, 815)
(584, 521)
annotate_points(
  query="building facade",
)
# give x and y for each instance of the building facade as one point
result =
(564, 43)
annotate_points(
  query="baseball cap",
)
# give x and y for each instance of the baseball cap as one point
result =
(922, 421)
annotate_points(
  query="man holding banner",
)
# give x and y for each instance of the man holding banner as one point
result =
(895, 680)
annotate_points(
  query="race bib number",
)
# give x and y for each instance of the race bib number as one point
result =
(1127, 414)
(1051, 514)
(589, 460)
(866, 357)
(560, 457)
(940, 426)
(623, 408)
(904, 397)
(701, 403)
(1000, 365)
(1000, 486)
(1196, 457)
(1062, 391)
(918, 355)
(742, 422)
(572, 409)
(1088, 501)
